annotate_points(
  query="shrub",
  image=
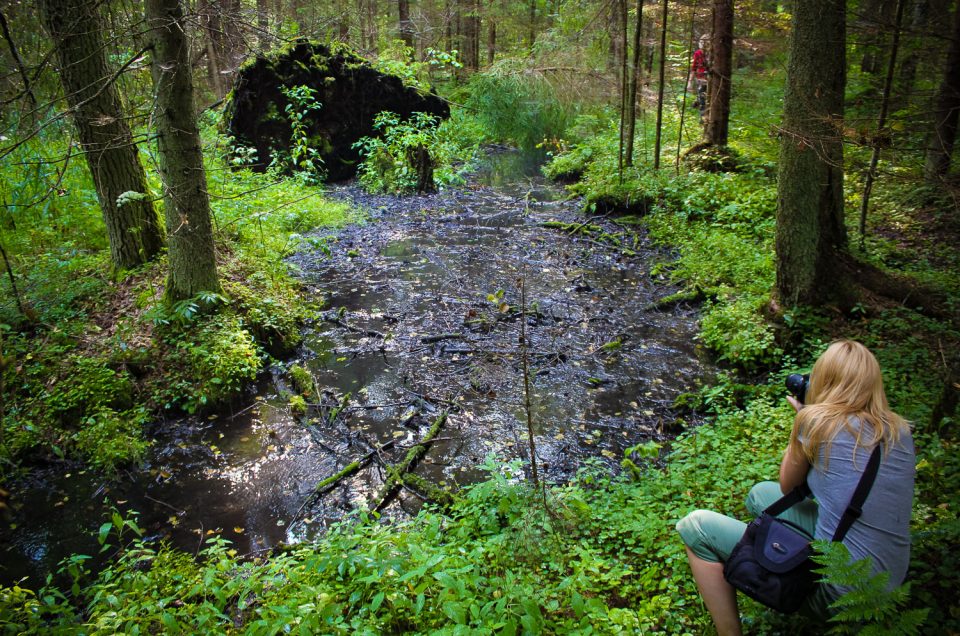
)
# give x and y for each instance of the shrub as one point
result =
(109, 439)
(386, 165)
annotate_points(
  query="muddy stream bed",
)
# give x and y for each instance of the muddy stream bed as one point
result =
(422, 315)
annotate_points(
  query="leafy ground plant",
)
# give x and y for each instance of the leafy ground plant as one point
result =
(387, 165)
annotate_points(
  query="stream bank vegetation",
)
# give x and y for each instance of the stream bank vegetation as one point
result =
(90, 353)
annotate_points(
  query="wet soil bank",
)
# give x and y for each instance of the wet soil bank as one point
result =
(424, 313)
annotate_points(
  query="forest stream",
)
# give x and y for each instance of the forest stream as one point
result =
(422, 316)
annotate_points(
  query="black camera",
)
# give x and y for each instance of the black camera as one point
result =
(797, 385)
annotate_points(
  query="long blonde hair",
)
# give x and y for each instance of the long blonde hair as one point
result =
(845, 383)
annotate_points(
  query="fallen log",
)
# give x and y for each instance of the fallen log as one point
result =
(326, 485)
(395, 474)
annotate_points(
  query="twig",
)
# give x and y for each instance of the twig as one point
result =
(163, 503)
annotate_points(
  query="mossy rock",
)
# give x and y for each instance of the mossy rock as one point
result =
(617, 203)
(351, 93)
(710, 158)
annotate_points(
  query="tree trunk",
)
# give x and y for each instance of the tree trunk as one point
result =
(448, 25)
(634, 83)
(940, 145)
(491, 36)
(661, 86)
(533, 22)
(617, 37)
(372, 24)
(193, 265)
(810, 230)
(133, 226)
(406, 26)
(913, 43)
(231, 18)
(721, 69)
(263, 25)
(881, 122)
(342, 22)
(620, 6)
(874, 17)
(471, 34)
(21, 68)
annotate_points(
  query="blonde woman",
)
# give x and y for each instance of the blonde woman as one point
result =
(845, 417)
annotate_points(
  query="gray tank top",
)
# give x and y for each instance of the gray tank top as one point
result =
(883, 532)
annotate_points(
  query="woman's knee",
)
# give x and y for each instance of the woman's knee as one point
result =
(761, 496)
(708, 533)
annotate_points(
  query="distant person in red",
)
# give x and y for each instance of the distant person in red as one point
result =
(698, 75)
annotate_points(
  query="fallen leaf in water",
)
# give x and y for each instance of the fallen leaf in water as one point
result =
(173, 520)
(609, 454)
(238, 529)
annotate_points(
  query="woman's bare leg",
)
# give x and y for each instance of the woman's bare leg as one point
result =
(719, 596)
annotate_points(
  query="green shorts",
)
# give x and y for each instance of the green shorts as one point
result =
(712, 536)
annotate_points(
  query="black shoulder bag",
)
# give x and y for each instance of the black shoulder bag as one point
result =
(771, 562)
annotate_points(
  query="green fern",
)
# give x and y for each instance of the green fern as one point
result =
(867, 607)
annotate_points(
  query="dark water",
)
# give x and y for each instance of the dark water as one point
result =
(424, 317)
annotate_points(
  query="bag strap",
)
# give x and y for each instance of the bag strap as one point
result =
(855, 507)
(792, 498)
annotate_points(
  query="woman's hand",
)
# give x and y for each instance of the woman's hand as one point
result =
(795, 403)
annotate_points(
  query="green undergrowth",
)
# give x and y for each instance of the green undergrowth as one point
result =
(720, 229)
(89, 355)
(603, 558)
(452, 146)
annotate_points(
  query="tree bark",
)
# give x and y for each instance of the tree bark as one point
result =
(193, 266)
(533, 22)
(471, 34)
(263, 25)
(881, 122)
(21, 68)
(946, 111)
(913, 43)
(874, 16)
(634, 83)
(810, 230)
(133, 226)
(721, 70)
(211, 22)
(491, 36)
(406, 26)
(618, 37)
(661, 86)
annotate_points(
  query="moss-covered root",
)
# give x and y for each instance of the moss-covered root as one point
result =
(303, 382)
(332, 480)
(395, 474)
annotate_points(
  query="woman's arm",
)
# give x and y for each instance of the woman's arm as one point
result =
(794, 465)
(793, 468)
